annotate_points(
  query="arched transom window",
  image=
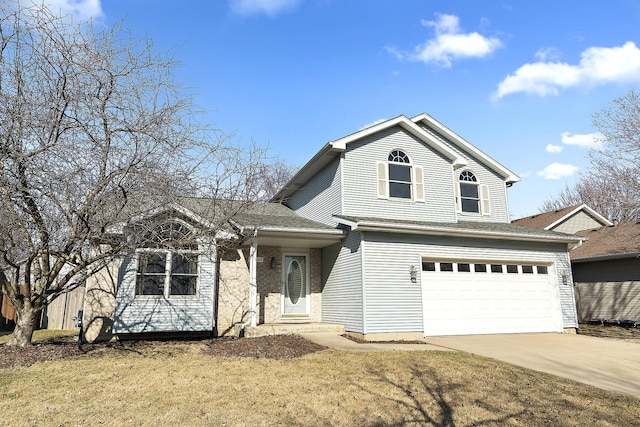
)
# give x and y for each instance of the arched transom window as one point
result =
(168, 264)
(399, 178)
(471, 196)
(399, 175)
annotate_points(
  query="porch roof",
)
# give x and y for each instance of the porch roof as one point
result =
(276, 225)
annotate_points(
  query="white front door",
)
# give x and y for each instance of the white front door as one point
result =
(295, 293)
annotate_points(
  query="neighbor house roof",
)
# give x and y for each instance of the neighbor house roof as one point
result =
(333, 149)
(549, 220)
(486, 230)
(618, 241)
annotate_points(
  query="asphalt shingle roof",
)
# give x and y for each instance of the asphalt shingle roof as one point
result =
(619, 239)
(496, 228)
(542, 220)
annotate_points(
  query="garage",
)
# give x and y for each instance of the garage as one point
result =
(489, 297)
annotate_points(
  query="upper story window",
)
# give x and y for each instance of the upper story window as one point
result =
(168, 265)
(399, 175)
(471, 196)
(399, 179)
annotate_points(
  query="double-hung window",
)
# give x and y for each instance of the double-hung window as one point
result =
(471, 196)
(169, 267)
(399, 179)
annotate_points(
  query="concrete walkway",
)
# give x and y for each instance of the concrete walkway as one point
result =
(605, 363)
(334, 340)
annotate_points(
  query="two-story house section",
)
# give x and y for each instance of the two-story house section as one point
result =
(429, 249)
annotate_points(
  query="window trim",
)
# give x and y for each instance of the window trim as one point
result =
(399, 157)
(483, 199)
(166, 286)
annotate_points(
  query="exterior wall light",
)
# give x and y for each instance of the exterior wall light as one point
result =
(413, 273)
(274, 263)
(565, 279)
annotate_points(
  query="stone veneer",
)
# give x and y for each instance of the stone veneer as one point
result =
(233, 290)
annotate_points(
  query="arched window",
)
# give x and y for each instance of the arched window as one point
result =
(399, 175)
(168, 264)
(471, 196)
(398, 178)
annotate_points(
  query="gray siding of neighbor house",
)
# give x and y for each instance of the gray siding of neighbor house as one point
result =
(608, 289)
(147, 314)
(360, 179)
(392, 303)
(342, 283)
(579, 221)
(321, 197)
(497, 188)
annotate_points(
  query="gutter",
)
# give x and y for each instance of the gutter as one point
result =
(446, 231)
(607, 257)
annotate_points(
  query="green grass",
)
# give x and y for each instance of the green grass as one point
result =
(42, 335)
(179, 385)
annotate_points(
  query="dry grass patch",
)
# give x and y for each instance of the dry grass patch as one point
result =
(611, 331)
(178, 384)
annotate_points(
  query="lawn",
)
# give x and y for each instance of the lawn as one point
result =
(181, 384)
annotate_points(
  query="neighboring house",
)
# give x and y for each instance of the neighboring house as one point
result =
(606, 270)
(398, 231)
(568, 220)
(606, 266)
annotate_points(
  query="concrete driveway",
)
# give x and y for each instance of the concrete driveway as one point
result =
(605, 363)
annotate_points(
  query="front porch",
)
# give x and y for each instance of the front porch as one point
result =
(290, 328)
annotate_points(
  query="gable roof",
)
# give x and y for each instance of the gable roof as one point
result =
(618, 241)
(551, 219)
(333, 149)
(456, 139)
(473, 229)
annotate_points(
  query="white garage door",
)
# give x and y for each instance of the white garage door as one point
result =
(466, 298)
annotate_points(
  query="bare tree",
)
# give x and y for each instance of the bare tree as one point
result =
(612, 184)
(94, 129)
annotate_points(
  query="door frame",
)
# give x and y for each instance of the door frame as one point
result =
(283, 283)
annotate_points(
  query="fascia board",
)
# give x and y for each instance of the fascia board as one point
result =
(508, 175)
(443, 231)
(606, 257)
(410, 127)
(587, 209)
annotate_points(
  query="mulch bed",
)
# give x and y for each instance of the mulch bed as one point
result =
(609, 331)
(271, 347)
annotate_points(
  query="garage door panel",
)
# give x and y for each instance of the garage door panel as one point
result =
(462, 303)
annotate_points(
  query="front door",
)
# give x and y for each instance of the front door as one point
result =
(295, 294)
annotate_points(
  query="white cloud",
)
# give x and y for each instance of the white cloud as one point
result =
(597, 66)
(589, 140)
(269, 7)
(449, 44)
(558, 170)
(524, 175)
(550, 148)
(82, 10)
(547, 53)
(373, 123)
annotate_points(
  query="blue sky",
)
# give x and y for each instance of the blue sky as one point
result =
(520, 80)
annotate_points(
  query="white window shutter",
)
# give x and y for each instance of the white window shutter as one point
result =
(383, 182)
(456, 187)
(419, 183)
(484, 200)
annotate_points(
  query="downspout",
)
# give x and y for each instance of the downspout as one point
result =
(253, 253)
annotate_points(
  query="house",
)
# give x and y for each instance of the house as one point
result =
(568, 220)
(606, 271)
(606, 266)
(398, 231)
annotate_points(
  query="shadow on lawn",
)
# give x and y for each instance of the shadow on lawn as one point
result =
(424, 391)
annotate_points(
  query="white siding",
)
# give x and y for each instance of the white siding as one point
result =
(360, 179)
(342, 283)
(579, 221)
(320, 198)
(497, 191)
(393, 303)
(184, 314)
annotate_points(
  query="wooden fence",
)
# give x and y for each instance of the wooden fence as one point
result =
(60, 312)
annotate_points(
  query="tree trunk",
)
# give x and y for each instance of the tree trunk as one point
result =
(25, 324)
